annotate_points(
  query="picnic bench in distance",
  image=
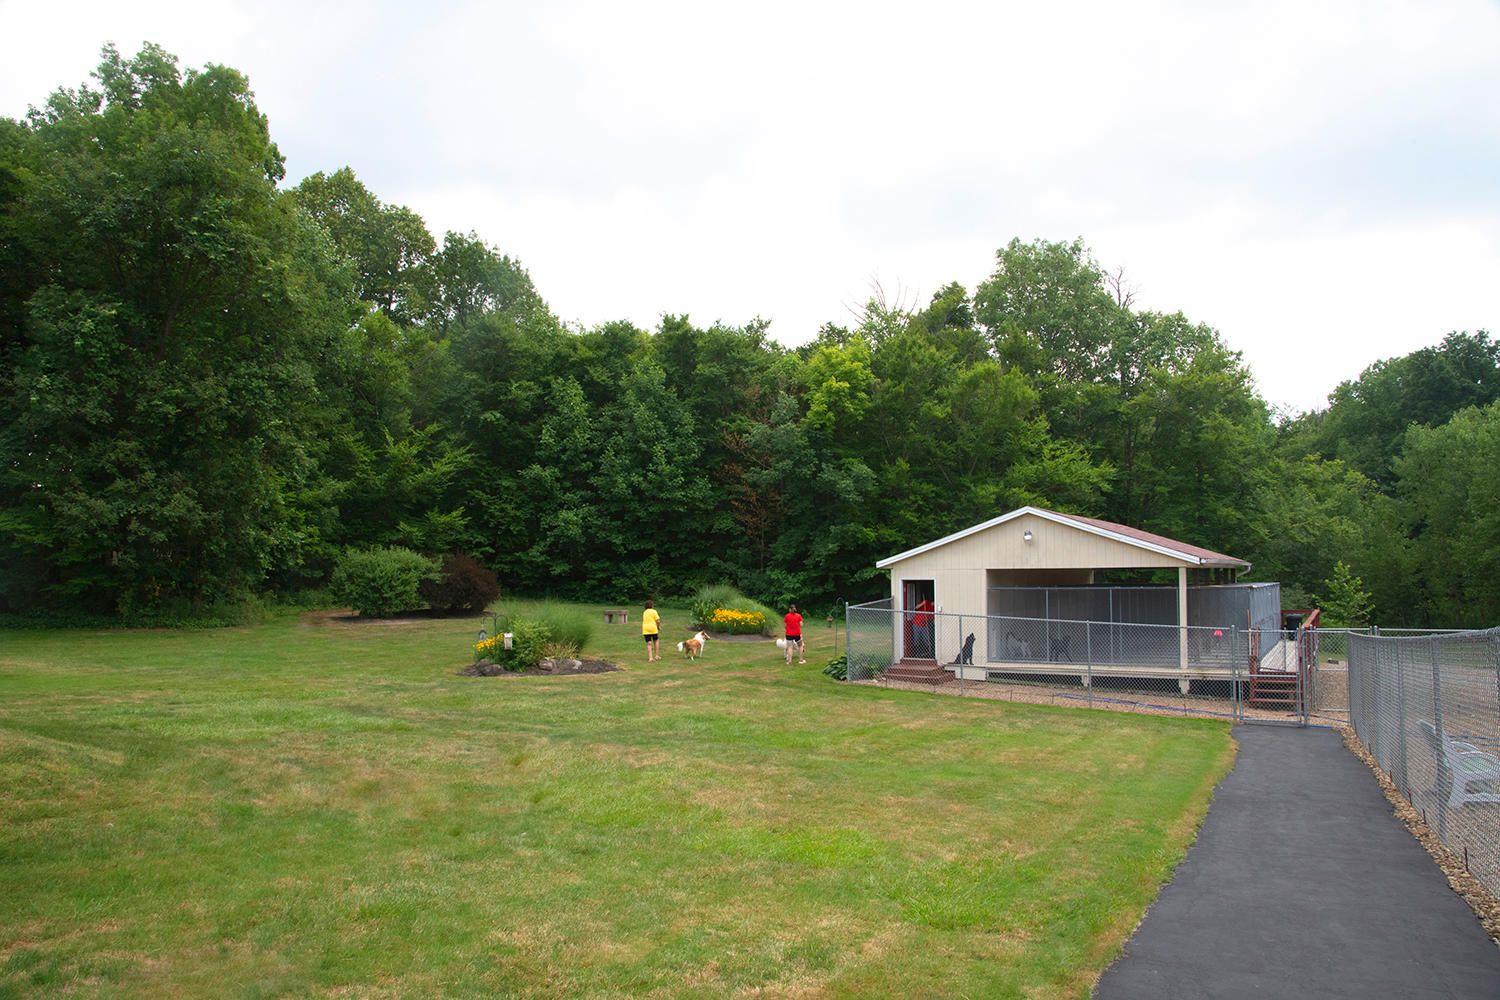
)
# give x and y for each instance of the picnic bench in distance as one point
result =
(611, 615)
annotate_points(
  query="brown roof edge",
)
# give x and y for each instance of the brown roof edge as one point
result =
(1207, 555)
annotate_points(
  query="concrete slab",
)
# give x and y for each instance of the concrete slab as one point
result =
(1302, 883)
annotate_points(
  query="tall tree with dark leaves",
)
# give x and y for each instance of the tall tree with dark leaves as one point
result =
(154, 410)
(474, 280)
(1047, 303)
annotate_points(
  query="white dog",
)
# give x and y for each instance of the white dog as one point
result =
(693, 648)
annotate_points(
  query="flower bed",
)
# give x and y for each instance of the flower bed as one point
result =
(735, 622)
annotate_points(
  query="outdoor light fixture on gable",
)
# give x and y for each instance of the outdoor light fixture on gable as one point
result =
(1026, 535)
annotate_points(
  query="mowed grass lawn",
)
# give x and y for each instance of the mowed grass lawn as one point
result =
(322, 808)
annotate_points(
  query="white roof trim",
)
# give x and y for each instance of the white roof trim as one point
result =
(1056, 518)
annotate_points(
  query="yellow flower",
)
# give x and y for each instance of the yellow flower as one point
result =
(732, 620)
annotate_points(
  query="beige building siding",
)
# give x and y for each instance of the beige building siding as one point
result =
(1002, 557)
(1053, 546)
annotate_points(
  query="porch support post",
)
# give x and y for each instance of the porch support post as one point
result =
(1182, 632)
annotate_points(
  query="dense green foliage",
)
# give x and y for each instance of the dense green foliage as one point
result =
(1343, 600)
(382, 581)
(211, 386)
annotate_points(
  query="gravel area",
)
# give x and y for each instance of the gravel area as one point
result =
(1473, 891)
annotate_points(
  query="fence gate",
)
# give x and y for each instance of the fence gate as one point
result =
(1276, 685)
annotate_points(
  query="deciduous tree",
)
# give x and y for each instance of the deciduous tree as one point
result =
(154, 407)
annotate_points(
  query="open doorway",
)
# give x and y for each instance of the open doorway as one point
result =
(917, 605)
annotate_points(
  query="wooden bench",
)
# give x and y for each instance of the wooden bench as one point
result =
(616, 614)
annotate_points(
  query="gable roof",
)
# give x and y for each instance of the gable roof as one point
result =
(1192, 554)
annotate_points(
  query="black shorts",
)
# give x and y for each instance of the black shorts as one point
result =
(794, 638)
(652, 637)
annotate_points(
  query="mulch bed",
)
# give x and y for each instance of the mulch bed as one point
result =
(560, 668)
(1485, 906)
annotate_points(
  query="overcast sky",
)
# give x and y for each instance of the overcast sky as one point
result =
(1318, 181)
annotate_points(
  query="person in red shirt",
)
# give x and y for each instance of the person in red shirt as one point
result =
(922, 628)
(794, 635)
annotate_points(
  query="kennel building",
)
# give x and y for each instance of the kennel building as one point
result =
(1017, 594)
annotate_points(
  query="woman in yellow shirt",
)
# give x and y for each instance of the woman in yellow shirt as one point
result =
(651, 629)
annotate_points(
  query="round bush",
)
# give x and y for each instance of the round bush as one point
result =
(463, 584)
(378, 583)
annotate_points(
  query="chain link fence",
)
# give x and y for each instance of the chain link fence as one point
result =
(1428, 709)
(1254, 674)
(1328, 696)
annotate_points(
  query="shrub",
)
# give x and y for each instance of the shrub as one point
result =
(721, 608)
(463, 584)
(864, 666)
(381, 582)
(838, 668)
(528, 639)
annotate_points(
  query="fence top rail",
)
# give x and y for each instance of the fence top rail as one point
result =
(1116, 624)
(1411, 635)
(1401, 633)
(911, 612)
(1168, 587)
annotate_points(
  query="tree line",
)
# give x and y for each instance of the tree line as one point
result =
(212, 385)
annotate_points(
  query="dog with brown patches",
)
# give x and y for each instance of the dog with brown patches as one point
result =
(693, 648)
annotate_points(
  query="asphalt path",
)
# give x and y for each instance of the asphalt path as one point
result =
(1303, 883)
